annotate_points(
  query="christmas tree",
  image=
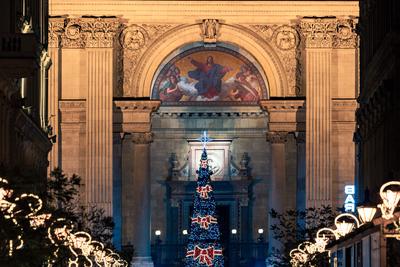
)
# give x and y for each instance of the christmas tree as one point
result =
(203, 248)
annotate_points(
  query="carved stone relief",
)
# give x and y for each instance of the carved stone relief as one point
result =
(210, 30)
(134, 40)
(285, 39)
(83, 32)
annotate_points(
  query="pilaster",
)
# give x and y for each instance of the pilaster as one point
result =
(318, 38)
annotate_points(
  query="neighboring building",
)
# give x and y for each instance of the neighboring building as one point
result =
(24, 144)
(134, 83)
(378, 116)
(378, 119)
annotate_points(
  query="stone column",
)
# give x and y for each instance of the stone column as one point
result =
(141, 198)
(276, 192)
(318, 37)
(134, 118)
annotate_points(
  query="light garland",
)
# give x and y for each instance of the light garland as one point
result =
(82, 247)
(26, 206)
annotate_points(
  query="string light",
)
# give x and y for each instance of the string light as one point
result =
(26, 206)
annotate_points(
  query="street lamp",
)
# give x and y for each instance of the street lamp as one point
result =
(234, 231)
(390, 200)
(366, 213)
(343, 227)
(184, 232)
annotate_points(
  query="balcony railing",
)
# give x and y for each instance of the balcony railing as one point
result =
(236, 254)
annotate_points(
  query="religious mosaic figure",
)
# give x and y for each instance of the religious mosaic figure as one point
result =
(209, 76)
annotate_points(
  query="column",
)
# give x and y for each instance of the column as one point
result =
(99, 111)
(133, 119)
(140, 196)
(277, 188)
(318, 37)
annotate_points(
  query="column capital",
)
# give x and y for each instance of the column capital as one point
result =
(142, 138)
(277, 137)
(329, 32)
(318, 32)
(94, 32)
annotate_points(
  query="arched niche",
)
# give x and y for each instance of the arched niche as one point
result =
(189, 35)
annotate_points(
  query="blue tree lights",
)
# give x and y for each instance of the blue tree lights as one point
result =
(203, 248)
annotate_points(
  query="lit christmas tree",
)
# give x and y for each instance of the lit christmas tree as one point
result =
(203, 247)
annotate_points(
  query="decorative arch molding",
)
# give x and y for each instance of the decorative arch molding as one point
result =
(183, 36)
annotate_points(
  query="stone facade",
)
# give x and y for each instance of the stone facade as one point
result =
(24, 63)
(292, 150)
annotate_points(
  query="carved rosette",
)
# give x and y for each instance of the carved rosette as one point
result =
(346, 36)
(285, 39)
(83, 32)
(277, 137)
(318, 33)
(134, 41)
(142, 138)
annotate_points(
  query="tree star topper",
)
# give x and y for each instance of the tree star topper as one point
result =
(204, 139)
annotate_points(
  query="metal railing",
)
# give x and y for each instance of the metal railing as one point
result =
(236, 254)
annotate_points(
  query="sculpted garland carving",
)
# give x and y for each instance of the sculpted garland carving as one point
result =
(134, 40)
(285, 39)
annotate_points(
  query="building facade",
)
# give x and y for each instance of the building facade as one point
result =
(134, 83)
(24, 62)
(378, 114)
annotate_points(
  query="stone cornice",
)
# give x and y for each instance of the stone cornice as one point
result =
(137, 105)
(186, 11)
(134, 116)
(90, 32)
(72, 111)
(344, 110)
(285, 115)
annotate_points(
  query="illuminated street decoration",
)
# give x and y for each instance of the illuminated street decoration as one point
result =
(390, 200)
(84, 250)
(343, 227)
(349, 203)
(24, 207)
